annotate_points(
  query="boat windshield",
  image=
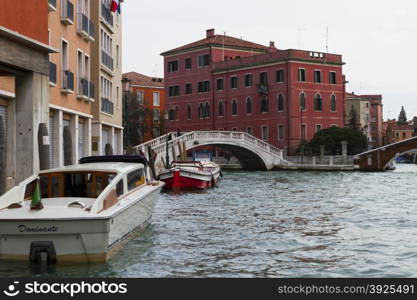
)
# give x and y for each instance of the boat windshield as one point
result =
(74, 184)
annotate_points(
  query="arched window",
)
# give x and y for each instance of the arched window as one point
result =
(176, 113)
(249, 105)
(280, 100)
(171, 114)
(201, 111)
(318, 103)
(234, 107)
(264, 104)
(220, 108)
(302, 101)
(333, 103)
(188, 111)
(207, 110)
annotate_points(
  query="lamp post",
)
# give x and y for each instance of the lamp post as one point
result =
(166, 117)
(126, 89)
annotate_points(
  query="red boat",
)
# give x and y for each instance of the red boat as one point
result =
(189, 175)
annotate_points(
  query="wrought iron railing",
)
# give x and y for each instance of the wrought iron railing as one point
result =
(67, 80)
(106, 106)
(52, 73)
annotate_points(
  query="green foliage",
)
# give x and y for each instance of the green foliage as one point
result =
(402, 118)
(138, 120)
(332, 137)
(353, 118)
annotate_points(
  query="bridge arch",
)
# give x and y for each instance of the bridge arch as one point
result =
(253, 153)
(249, 159)
(379, 159)
(398, 154)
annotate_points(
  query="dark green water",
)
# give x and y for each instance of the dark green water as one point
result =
(272, 224)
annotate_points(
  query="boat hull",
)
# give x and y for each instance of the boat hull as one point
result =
(86, 240)
(189, 180)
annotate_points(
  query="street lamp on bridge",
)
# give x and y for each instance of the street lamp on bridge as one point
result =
(166, 117)
(126, 90)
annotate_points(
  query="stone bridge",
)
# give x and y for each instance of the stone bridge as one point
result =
(253, 153)
(380, 158)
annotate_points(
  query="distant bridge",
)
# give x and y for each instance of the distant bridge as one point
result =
(253, 153)
(380, 158)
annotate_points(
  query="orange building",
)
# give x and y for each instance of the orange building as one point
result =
(394, 132)
(149, 94)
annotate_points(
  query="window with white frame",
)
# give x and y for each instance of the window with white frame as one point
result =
(139, 97)
(156, 116)
(156, 99)
(281, 132)
(265, 133)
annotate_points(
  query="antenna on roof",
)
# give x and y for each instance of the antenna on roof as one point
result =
(299, 37)
(156, 70)
(224, 35)
(327, 39)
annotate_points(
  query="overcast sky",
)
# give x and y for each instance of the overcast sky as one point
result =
(378, 39)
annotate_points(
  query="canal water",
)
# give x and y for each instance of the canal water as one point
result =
(272, 224)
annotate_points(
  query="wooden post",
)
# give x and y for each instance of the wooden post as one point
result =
(67, 147)
(2, 158)
(43, 147)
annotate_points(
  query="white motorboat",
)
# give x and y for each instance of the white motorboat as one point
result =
(86, 212)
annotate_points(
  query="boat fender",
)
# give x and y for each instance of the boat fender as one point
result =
(213, 183)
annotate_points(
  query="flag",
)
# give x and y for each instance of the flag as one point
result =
(36, 203)
(119, 10)
(114, 5)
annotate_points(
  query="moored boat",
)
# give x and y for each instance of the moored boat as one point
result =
(81, 213)
(191, 175)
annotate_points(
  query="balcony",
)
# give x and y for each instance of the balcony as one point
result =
(52, 5)
(52, 73)
(92, 93)
(106, 60)
(67, 12)
(67, 82)
(106, 106)
(85, 27)
(263, 89)
(107, 16)
(85, 89)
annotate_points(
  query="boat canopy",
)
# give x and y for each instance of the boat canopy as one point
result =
(115, 158)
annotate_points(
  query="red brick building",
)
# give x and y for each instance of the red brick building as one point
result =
(280, 96)
(150, 95)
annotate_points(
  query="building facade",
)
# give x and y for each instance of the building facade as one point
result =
(149, 94)
(368, 109)
(24, 91)
(395, 132)
(375, 113)
(280, 96)
(107, 76)
(71, 89)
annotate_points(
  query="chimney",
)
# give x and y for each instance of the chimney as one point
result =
(271, 44)
(210, 32)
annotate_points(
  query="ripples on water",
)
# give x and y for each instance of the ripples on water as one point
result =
(273, 224)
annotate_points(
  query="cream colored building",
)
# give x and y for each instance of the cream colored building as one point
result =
(107, 75)
(362, 108)
(71, 90)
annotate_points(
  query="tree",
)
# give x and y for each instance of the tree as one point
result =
(353, 119)
(402, 118)
(141, 121)
(332, 137)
